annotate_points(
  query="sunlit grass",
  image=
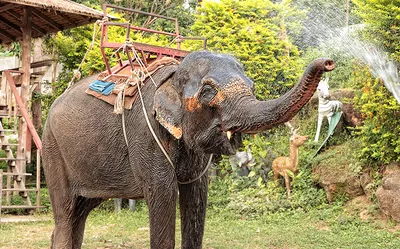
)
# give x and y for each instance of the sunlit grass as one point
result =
(324, 228)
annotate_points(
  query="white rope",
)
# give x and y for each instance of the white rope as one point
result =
(151, 129)
(201, 174)
(138, 83)
(77, 73)
(140, 62)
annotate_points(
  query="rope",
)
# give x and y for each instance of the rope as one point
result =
(201, 174)
(77, 73)
(162, 147)
(141, 79)
(120, 100)
(151, 129)
(140, 62)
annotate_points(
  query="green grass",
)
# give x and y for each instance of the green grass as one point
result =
(328, 227)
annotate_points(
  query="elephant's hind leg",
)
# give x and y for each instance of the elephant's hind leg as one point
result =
(82, 209)
(70, 221)
(62, 197)
(63, 219)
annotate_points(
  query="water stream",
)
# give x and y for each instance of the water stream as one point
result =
(378, 62)
(326, 29)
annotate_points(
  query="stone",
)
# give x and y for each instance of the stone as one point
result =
(350, 116)
(338, 181)
(388, 195)
(391, 168)
(367, 184)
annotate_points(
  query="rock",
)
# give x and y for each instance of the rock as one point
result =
(388, 195)
(391, 168)
(392, 181)
(367, 184)
(365, 179)
(338, 181)
(351, 117)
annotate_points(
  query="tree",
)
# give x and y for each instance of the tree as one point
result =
(159, 7)
(255, 32)
(382, 23)
(324, 19)
(381, 127)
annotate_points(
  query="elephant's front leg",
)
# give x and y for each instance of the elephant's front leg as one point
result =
(161, 201)
(193, 204)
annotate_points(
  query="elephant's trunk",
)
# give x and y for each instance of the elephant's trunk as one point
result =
(255, 116)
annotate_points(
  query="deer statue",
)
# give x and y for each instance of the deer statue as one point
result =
(281, 165)
(326, 107)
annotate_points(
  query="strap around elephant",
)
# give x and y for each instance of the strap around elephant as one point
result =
(152, 130)
(201, 174)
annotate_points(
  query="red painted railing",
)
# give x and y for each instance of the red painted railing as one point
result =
(22, 107)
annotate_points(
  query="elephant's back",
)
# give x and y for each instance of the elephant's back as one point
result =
(76, 97)
(76, 112)
(83, 131)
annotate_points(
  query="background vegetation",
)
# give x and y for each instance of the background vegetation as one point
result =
(275, 40)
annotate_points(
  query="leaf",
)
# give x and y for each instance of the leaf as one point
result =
(290, 173)
(251, 174)
(260, 181)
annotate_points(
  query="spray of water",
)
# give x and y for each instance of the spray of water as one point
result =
(326, 29)
(378, 62)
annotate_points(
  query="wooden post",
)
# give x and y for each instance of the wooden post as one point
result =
(37, 180)
(23, 110)
(26, 77)
(1, 190)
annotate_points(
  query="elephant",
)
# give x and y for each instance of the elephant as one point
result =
(196, 109)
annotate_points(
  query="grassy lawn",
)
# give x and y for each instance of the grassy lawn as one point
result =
(324, 228)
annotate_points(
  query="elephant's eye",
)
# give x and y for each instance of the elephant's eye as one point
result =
(207, 93)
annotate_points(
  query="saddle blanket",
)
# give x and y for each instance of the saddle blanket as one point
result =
(108, 87)
(102, 87)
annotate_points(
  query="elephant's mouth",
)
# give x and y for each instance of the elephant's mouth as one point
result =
(233, 141)
(219, 143)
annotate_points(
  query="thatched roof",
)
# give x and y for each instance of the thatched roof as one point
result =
(48, 16)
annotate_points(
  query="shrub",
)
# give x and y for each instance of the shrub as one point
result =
(380, 131)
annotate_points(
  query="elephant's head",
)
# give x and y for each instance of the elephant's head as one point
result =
(209, 102)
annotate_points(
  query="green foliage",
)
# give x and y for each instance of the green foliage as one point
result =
(338, 78)
(11, 49)
(218, 197)
(254, 32)
(18, 200)
(323, 17)
(257, 194)
(382, 23)
(380, 131)
(264, 198)
(185, 20)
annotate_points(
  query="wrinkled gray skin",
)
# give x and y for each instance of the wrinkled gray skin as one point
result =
(86, 159)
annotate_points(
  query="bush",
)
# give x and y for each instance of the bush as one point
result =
(380, 131)
(257, 194)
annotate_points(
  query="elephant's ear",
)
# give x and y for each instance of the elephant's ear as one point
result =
(168, 109)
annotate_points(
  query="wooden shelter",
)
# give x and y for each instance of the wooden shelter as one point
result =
(22, 20)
